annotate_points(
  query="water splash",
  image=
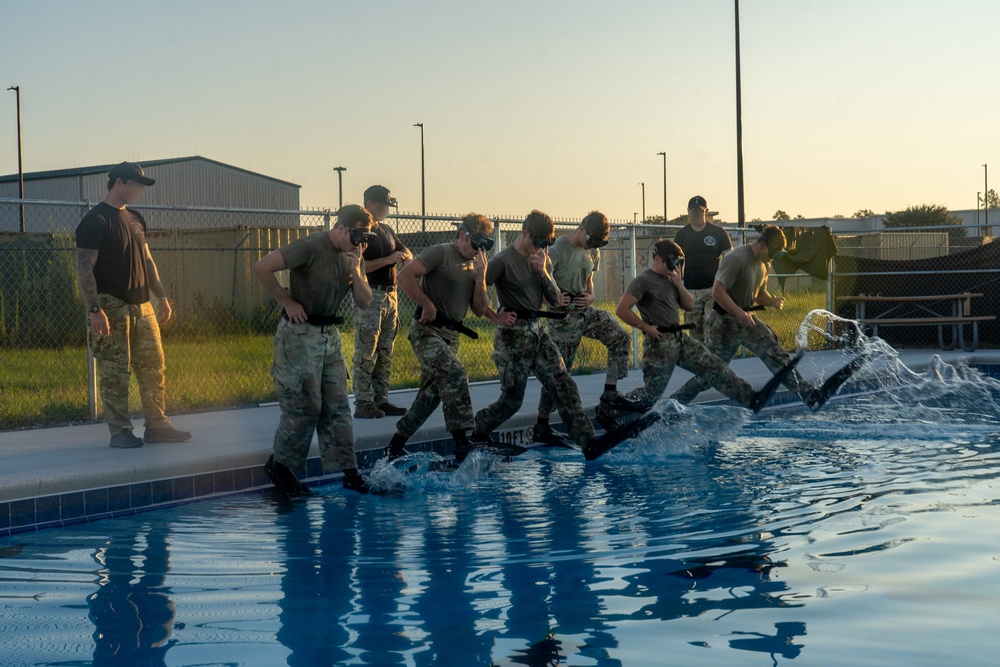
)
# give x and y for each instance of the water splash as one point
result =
(423, 471)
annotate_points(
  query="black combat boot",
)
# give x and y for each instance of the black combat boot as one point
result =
(355, 481)
(396, 448)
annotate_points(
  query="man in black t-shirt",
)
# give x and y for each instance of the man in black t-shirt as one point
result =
(117, 275)
(375, 328)
(703, 244)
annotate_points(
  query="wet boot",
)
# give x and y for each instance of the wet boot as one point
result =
(284, 480)
(462, 445)
(396, 448)
(355, 481)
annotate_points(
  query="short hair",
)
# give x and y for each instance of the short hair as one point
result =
(539, 224)
(597, 225)
(666, 248)
(112, 181)
(353, 216)
(771, 235)
(477, 224)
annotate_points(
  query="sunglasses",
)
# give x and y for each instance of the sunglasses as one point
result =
(594, 243)
(479, 241)
(542, 242)
(362, 236)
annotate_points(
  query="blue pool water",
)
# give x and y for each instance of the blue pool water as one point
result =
(865, 534)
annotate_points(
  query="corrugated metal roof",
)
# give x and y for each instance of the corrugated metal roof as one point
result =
(105, 168)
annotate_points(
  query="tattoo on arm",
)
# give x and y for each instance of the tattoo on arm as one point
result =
(153, 276)
(85, 261)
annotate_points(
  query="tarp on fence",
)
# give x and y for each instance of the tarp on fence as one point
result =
(976, 270)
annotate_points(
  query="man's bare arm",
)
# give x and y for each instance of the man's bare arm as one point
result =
(86, 259)
(153, 277)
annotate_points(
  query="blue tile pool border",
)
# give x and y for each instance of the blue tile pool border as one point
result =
(77, 507)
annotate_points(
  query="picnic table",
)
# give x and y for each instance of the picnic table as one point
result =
(920, 311)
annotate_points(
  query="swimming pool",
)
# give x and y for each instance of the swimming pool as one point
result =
(865, 534)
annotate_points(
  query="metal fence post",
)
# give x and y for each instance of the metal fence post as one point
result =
(635, 332)
(326, 219)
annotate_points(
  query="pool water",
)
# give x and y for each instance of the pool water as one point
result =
(865, 534)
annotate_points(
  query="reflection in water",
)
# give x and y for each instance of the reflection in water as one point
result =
(131, 611)
(780, 643)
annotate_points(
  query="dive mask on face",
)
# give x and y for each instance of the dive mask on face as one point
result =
(479, 241)
(542, 242)
(361, 236)
(594, 243)
(673, 261)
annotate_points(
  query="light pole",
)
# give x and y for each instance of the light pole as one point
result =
(643, 186)
(977, 211)
(986, 197)
(739, 126)
(20, 168)
(423, 192)
(340, 185)
(664, 154)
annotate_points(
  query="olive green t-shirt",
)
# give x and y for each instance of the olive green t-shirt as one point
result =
(519, 287)
(319, 276)
(657, 298)
(743, 275)
(450, 280)
(572, 267)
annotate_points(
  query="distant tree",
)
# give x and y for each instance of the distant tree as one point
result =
(654, 220)
(926, 215)
(756, 220)
(863, 213)
(800, 217)
(780, 215)
(838, 216)
(992, 200)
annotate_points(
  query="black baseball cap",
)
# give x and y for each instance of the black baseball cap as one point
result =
(129, 171)
(380, 194)
(697, 200)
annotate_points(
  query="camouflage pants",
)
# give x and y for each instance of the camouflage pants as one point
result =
(725, 335)
(702, 307)
(594, 323)
(133, 345)
(443, 379)
(660, 357)
(519, 351)
(374, 333)
(310, 377)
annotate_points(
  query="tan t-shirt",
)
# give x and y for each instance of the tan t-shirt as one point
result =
(319, 276)
(519, 287)
(572, 267)
(657, 298)
(450, 280)
(743, 275)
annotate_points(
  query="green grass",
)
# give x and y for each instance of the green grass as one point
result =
(47, 386)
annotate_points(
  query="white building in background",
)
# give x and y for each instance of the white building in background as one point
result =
(185, 181)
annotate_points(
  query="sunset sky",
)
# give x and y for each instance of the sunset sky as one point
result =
(561, 106)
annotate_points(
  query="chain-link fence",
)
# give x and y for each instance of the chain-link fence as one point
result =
(218, 344)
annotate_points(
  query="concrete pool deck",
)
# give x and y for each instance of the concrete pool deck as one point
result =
(63, 475)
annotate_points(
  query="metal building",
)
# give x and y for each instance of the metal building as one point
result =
(186, 181)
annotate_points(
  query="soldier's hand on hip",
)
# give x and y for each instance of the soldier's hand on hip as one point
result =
(99, 323)
(506, 318)
(583, 300)
(652, 331)
(296, 313)
(747, 321)
(429, 313)
(163, 308)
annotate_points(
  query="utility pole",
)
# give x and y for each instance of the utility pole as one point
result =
(423, 191)
(986, 197)
(643, 185)
(739, 127)
(20, 167)
(340, 185)
(664, 154)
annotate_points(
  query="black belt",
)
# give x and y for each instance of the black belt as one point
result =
(320, 320)
(535, 314)
(674, 328)
(722, 311)
(447, 323)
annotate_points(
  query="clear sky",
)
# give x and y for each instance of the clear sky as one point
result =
(561, 106)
